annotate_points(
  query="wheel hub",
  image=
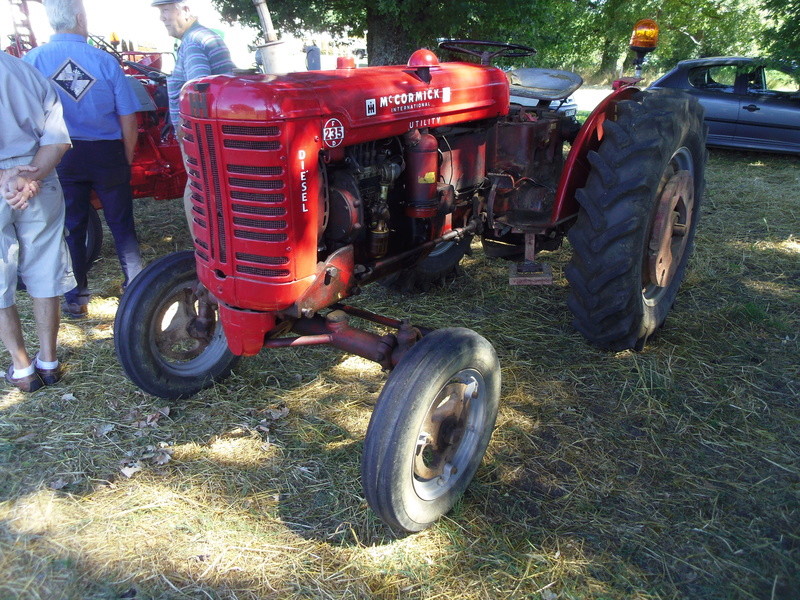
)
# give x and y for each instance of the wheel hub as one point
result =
(442, 432)
(670, 228)
(184, 327)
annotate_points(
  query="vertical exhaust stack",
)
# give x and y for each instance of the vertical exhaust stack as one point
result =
(273, 52)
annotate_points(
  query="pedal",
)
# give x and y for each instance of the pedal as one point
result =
(530, 273)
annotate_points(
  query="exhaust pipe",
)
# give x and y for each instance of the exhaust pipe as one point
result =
(272, 52)
(266, 20)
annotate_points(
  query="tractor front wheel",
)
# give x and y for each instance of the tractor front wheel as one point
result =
(430, 428)
(637, 220)
(167, 333)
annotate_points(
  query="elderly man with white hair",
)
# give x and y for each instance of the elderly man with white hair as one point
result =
(202, 52)
(100, 111)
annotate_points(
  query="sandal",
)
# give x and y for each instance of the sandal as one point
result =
(48, 376)
(29, 383)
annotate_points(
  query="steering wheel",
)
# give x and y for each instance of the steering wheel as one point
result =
(483, 50)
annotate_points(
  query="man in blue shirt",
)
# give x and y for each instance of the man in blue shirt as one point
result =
(202, 52)
(100, 112)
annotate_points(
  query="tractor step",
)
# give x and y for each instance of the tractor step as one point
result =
(530, 273)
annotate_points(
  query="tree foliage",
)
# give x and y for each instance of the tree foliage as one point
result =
(590, 36)
(395, 28)
(689, 29)
(784, 30)
(694, 29)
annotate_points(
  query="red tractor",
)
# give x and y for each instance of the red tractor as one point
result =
(309, 186)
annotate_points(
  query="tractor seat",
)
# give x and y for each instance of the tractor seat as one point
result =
(146, 103)
(543, 84)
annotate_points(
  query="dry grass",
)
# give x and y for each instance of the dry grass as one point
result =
(671, 473)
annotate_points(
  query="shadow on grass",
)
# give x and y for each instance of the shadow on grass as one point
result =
(670, 473)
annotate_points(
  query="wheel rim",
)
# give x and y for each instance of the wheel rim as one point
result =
(670, 228)
(184, 336)
(449, 434)
(440, 248)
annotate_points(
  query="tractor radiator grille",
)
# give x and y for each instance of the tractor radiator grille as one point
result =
(251, 145)
(250, 130)
(261, 236)
(261, 224)
(258, 170)
(262, 272)
(264, 260)
(269, 211)
(257, 197)
(256, 184)
(239, 199)
(218, 203)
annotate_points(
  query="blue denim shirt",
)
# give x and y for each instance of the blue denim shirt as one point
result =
(91, 84)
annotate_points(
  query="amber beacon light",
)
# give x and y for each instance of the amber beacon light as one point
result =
(644, 36)
(644, 39)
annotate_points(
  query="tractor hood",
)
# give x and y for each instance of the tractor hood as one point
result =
(396, 98)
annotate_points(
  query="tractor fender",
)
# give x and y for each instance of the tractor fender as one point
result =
(576, 167)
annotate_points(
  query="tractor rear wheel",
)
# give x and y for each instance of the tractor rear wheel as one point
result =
(430, 428)
(637, 220)
(441, 263)
(167, 333)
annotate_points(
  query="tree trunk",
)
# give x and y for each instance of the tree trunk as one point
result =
(609, 60)
(613, 33)
(387, 39)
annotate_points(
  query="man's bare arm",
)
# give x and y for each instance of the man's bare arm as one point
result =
(24, 185)
(130, 133)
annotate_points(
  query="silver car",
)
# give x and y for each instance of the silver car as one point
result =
(750, 103)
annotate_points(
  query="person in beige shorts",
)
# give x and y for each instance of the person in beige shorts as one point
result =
(32, 244)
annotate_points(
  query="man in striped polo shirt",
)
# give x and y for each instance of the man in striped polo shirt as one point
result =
(202, 52)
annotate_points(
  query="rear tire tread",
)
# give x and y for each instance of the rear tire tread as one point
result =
(616, 207)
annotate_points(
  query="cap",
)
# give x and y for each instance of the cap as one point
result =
(160, 2)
